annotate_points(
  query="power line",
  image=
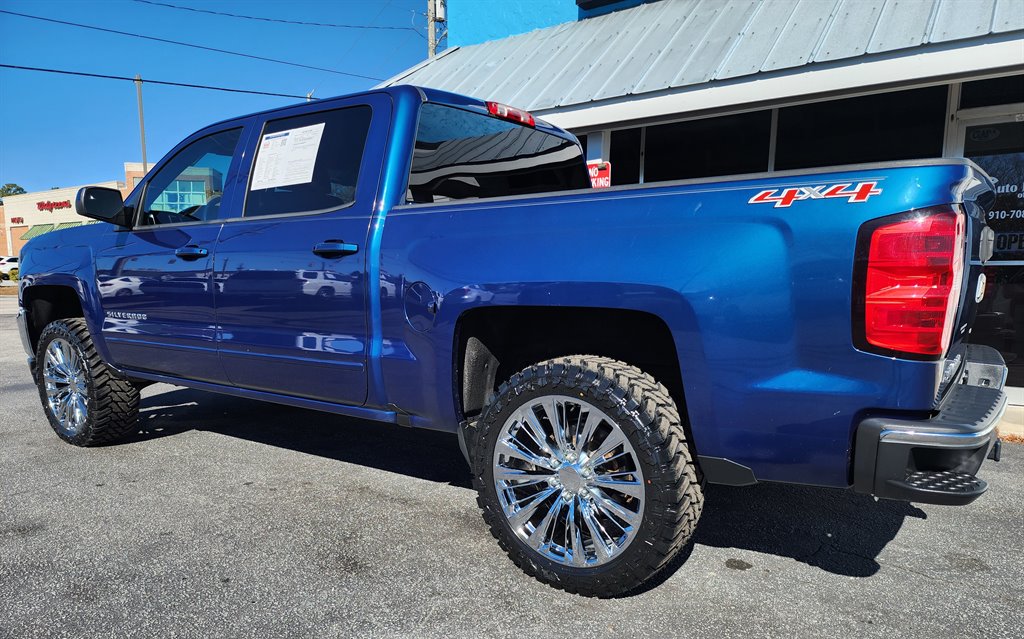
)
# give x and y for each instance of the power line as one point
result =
(308, 24)
(188, 44)
(164, 82)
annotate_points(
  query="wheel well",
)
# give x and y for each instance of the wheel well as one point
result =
(45, 304)
(494, 343)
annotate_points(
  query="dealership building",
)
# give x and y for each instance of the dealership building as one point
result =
(676, 89)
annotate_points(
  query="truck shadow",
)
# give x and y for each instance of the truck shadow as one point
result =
(834, 530)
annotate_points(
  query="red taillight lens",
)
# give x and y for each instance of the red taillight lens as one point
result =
(506, 112)
(912, 284)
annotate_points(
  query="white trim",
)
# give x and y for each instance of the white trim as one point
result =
(950, 132)
(643, 153)
(800, 85)
(773, 138)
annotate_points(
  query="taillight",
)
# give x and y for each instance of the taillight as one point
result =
(506, 112)
(908, 283)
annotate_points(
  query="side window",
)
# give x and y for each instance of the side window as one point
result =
(190, 186)
(308, 163)
(462, 154)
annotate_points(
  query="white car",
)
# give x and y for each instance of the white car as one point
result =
(6, 264)
(125, 286)
(324, 284)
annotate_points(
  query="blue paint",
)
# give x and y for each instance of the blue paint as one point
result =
(473, 21)
(757, 298)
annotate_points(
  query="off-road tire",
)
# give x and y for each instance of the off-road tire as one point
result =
(113, 401)
(644, 410)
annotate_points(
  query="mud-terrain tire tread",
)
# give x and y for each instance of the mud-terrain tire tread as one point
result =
(675, 488)
(113, 400)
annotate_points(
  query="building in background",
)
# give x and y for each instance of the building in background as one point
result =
(30, 214)
(676, 89)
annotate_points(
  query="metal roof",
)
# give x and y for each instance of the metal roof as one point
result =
(680, 43)
(36, 230)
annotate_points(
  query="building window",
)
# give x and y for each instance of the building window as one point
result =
(702, 148)
(901, 125)
(625, 156)
(184, 194)
(982, 93)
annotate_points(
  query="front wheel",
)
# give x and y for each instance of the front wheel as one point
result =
(584, 475)
(86, 403)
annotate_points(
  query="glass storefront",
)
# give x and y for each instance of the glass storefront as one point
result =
(998, 147)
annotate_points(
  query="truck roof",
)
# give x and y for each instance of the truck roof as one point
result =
(399, 91)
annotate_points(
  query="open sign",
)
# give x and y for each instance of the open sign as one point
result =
(600, 174)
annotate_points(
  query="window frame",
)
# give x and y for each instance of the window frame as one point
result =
(371, 160)
(244, 125)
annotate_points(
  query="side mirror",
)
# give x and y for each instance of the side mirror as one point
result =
(101, 203)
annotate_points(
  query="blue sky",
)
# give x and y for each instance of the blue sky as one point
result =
(66, 131)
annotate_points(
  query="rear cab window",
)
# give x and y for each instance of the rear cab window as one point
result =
(463, 154)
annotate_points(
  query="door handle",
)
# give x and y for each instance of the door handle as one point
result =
(335, 248)
(191, 252)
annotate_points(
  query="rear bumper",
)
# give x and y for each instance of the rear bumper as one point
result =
(936, 460)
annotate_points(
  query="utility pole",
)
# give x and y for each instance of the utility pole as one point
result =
(142, 122)
(436, 13)
(431, 30)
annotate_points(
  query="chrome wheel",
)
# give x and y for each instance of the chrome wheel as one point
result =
(66, 380)
(568, 481)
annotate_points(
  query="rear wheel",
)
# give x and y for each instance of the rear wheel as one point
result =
(86, 403)
(584, 475)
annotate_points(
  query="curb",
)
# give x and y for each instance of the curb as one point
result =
(1013, 422)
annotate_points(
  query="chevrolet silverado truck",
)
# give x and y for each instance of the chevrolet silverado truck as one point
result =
(435, 261)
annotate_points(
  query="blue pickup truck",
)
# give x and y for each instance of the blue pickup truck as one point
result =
(426, 259)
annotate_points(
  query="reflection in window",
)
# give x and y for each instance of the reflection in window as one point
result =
(188, 188)
(462, 154)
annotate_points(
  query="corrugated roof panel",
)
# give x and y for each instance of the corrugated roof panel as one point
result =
(1008, 16)
(530, 59)
(758, 39)
(959, 20)
(801, 36)
(665, 19)
(509, 70)
(640, 40)
(482, 65)
(732, 18)
(903, 24)
(674, 43)
(850, 31)
(578, 69)
(566, 75)
(680, 48)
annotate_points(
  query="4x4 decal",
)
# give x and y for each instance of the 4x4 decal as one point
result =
(785, 197)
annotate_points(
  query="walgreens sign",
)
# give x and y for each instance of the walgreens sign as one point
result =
(53, 206)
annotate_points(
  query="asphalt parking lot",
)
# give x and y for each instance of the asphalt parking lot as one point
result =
(230, 518)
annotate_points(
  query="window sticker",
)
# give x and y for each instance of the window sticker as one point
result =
(287, 157)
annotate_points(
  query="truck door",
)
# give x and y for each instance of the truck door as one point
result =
(290, 272)
(156, 281)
